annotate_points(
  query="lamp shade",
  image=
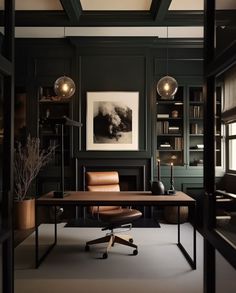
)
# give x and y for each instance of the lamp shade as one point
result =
(64, 87)
(167, 87)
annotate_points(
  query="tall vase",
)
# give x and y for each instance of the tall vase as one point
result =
(24, 212)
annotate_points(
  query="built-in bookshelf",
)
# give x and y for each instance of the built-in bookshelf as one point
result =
(180, 128)
(196, 130)
(170, 129)
(51, 108)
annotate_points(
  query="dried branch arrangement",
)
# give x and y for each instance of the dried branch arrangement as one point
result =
(28, 160)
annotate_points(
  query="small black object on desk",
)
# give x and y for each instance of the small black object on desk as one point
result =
(170, 192)
(157, 187)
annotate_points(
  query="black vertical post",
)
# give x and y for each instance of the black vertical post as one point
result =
(62, 188)
(60, 192)
(178, 224)
(36, 237)
(8, 148)
(209, 145)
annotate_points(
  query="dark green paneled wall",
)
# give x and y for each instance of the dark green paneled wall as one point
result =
(110, 64)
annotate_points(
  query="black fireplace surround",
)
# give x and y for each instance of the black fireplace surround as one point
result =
(134, 175)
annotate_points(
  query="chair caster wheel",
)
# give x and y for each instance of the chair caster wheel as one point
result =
(135, 252)
(86, 248)
(105, 255)
(131, 240)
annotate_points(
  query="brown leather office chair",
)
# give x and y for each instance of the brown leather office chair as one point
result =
(114, 216)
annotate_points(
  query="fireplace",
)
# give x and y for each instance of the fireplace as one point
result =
(134, 175)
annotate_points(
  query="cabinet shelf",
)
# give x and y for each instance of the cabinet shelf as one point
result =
(195, 118)
(196, 150)
(196, 135)
(42, 102)
(53, 134)
(170, 134)
(169, 150)
(174, 102)
(169, 118)
(196, 103)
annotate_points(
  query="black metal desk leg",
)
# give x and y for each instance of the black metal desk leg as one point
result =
(195, 237)
(190, 260)
(178, 224)
(39, 260)
(36, 237)
(55, 225)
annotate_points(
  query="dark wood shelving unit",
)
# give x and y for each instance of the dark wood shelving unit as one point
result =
(169, 130)
(50, 111)
(195, 125)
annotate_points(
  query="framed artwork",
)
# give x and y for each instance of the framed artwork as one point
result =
(112, 121)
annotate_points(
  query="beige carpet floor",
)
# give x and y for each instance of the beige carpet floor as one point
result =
(158, 267)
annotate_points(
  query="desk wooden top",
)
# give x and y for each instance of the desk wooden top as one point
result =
(116, 198)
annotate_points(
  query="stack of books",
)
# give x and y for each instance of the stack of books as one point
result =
(173, 129)
(165, 145)
(163, 115)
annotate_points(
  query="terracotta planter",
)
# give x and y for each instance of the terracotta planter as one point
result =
(24, 212)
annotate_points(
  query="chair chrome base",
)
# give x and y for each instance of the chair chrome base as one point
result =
(112, 239)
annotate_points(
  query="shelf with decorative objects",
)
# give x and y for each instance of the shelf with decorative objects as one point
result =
(180, 129)
(196, 129)
(51, 107)
(170, 129)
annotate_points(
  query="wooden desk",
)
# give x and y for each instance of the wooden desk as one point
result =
(86, 198)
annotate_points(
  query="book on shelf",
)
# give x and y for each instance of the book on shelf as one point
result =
(197, 96)
(159, 128)
(196, 111)
(178, 143)
(194, 128)
(200, 146)
(163, 115)
(162, 127)
(165, 127)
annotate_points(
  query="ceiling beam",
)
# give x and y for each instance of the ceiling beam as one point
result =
(159, 9)
(73, 9)
(106, 19)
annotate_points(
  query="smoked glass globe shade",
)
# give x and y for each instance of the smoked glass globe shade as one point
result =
(167, 87)
(64, 87)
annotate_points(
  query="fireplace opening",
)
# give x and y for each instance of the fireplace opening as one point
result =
(128, 183)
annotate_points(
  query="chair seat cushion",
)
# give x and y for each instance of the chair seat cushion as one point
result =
(120, 216)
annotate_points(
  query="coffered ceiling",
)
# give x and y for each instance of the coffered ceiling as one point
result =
(106, 4)
(47, 18)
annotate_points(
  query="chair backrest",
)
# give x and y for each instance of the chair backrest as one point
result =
(102, 181)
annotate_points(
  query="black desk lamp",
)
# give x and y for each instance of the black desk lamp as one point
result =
(64, 121)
